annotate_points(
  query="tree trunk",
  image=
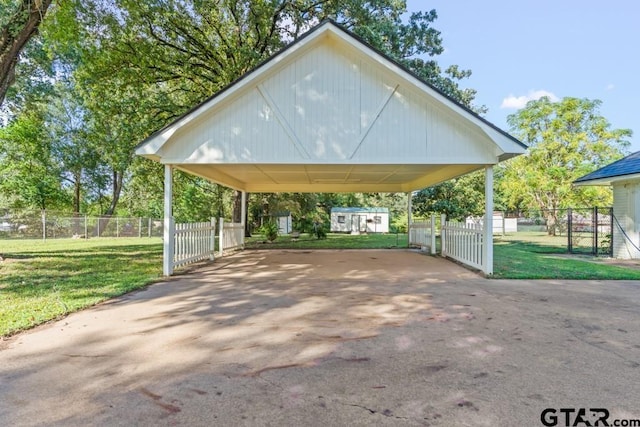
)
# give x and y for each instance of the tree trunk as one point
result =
(115, 197)
(247, 226)
(552, 222)
(237, 207)
(238, 214)
(15, 35)
(76, 194)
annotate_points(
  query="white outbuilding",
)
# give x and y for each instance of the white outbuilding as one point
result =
(285, 222)
(356, 220)
(624, 177)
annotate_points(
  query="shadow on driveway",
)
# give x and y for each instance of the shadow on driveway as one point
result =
(330, 337)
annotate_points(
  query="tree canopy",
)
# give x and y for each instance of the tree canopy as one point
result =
(18, 23)
(99, 75)
(567, 139)
(110, 72)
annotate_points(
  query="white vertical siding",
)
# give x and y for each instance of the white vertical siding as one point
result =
(446, 135)
(319, 97)
(400, 130)
(330, 105)
(625, 209)
(375, 87)
(243, 131)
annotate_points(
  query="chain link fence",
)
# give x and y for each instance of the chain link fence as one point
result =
(55, 225)
(575, 230)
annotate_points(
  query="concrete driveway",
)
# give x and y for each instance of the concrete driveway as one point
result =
(297, 338)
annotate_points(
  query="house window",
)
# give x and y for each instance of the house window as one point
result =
(377, 219)
(341, 219)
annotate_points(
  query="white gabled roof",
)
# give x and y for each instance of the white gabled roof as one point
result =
(329, 113)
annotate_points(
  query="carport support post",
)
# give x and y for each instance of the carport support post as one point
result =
(212, 243)
(487, 241)
(167, 246)
(243, 205)
(409, 218)
(433, 234)
(443, 234)
(409, 209)
(221, 237)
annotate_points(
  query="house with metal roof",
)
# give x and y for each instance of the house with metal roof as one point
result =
(624, 177)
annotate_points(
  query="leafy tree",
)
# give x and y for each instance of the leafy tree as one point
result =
(164, 57)
(567, 139)
(397, 204)
(28, 168)
(414, 44)
(456, 198)
(135, 66)
(19, 21)
(78, 158)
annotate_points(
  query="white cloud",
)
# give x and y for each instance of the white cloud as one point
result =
(610, 86)
(517, 102)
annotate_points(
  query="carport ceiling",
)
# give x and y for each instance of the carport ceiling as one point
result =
(327, 178)
(328, 114)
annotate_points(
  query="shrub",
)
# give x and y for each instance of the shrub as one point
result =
(319, 231)
(270, 230)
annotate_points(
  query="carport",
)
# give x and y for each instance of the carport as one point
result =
(330, 114)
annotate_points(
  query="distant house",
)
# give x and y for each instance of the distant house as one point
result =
(360, 220)
(624, 177)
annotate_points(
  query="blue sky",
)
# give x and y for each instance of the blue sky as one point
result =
(518, 50)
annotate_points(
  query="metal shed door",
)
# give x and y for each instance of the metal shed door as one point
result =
(358, 224)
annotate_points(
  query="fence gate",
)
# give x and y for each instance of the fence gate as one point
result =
(589, 231)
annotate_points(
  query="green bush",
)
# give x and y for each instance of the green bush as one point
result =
(270, 230)
(319, 231)
(399, 224)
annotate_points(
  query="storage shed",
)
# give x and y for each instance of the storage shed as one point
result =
(284, 221)
(360, 220)
(624, 177)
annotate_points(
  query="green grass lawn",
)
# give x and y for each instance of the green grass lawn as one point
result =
(40, 281)
(538, 256)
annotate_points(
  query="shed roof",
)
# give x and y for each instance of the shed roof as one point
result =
(624, 169)
(330, 113)
(360, 210)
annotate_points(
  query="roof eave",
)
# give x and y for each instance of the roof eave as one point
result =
(608, 180)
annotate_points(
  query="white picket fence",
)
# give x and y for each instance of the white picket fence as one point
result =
(231, 236)
(196, 241)
(423, 235)
(463, 242)
(193, 242)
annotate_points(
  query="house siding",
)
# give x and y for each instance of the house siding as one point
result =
(626, 208)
